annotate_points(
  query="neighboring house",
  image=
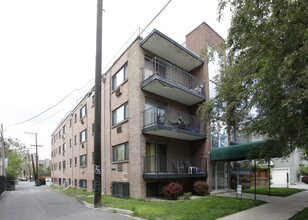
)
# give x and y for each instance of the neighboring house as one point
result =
(151, 134)
(289, 166)
(44, 163)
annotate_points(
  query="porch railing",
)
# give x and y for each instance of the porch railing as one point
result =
(169, 71)
(175, 165)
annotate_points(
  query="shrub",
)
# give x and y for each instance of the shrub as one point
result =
(201, 188)
(305, 179)
(173, 190)
(303, 170)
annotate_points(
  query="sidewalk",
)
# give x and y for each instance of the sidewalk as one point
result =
(276, 208)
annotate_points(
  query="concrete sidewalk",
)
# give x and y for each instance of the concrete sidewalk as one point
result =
(276, 208)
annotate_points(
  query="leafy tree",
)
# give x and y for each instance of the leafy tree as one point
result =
(264, 80)
(14, 167)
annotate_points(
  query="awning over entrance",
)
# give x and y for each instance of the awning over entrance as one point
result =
(237, 152)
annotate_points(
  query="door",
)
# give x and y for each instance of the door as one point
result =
(279, 176)
(156, 157)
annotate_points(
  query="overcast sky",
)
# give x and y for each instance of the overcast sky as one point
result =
(47, 51)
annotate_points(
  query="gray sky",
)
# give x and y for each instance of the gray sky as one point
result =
(47, 51)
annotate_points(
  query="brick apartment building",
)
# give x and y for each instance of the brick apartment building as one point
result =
(151, 134)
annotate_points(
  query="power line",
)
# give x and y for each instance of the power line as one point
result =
(19, 123)
(156, 16)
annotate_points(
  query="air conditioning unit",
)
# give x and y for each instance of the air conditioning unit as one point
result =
(118, 91)
(82, 121)
(119, 129)
(82, 145)
(63, 136)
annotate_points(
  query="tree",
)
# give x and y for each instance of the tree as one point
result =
(14, 167)
(17, 156)
(264, 80)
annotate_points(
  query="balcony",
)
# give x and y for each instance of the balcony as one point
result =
(165, 122)
(171, 167)
(166, 48)
(167, 80)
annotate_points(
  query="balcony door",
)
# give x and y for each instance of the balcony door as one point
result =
(155, 112)
(156, 155)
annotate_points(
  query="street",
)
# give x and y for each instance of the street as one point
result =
(29, 202)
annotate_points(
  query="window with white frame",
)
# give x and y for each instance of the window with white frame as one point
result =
(83, 136)
(83, 111)
(83, 160)
(120, 152)
(120, 77)
(120, 114)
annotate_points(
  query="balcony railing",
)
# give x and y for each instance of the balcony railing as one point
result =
(159, 67)
(169, 81)
(176, 166)
(168, 118)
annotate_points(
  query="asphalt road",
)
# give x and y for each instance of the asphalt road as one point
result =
(29, 202)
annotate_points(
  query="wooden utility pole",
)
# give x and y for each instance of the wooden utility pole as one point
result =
(97, 116)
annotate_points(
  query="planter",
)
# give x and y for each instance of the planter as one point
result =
(10, 185)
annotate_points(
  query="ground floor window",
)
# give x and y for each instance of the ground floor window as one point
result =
(83, 183)
(120, 189)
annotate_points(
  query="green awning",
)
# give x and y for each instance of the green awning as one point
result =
(237, 152)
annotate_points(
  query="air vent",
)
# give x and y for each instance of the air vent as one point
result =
(119, 167)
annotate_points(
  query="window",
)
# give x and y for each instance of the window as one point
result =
(120, 152)
(75, 160)
(93, 100)
(83, 136)
(71, 142)
(60, 150)
(75, 139)
(64, 164)
(120, 189)
(70, 162)
(120, 77)
(83, 160)
(83, 183)
(64, 147)
(83, 111)
(59, 165)
(70, 122)
(75, 117)
(120, 114)
(64, 129)
(93, 128)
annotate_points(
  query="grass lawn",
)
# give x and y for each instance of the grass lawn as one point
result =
(282, 192)
(303, 215)
(208, 207)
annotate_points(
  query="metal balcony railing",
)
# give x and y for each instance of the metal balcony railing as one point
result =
(175, 165)
(171, 72)
(171, 118)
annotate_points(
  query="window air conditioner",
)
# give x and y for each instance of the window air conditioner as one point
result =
(118, 91)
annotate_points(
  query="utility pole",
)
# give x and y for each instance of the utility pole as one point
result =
(3, 150)
(97, 116)
(36, 155)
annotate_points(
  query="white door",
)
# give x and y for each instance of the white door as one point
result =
(279, 176)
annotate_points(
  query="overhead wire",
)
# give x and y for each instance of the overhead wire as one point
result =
(51, 107)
